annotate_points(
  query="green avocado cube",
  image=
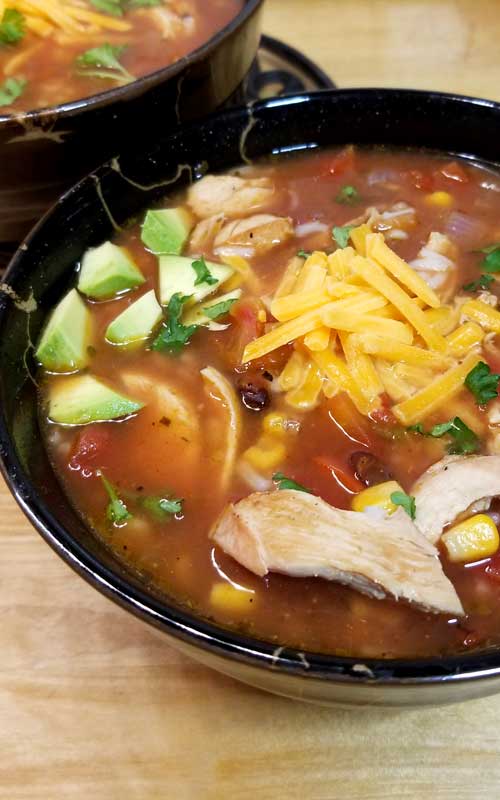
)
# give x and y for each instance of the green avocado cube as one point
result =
(177, 275)
(82, 399)
(108, 270)
(137, 322)
(64, 344)
(166, 230)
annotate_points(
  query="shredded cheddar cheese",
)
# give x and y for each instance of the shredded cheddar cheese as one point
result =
(364, 322)
(43, 17)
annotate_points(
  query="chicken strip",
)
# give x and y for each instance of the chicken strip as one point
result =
(450, 487)
(257, 234)
(300, 535)
(229, 195)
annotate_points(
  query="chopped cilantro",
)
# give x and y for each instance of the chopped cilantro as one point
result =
(348, 196)
(341, 234)
(11, 26)
(11, 89)
(219, 309)
(463, 439)
(483, 383)
(113, 7)
(116, 511)
(483, 282)
(287, 483)
(174, 335)
(106, 61)
(406, 501)
(162, 507)
(304, 254)
(203, 274)
(492, 261)
(118, 7)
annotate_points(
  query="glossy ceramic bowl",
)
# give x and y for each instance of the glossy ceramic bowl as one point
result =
(87, 214)
(44, 152)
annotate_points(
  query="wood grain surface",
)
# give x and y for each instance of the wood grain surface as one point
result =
(95, 705)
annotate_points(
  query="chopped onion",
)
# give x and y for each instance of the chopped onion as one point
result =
(311, 227)
(465, 230)
(382, 176)
(251, 477)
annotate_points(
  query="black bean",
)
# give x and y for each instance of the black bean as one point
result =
(368, 468)
(253, 397)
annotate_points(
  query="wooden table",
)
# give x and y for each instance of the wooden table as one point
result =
(94, 705)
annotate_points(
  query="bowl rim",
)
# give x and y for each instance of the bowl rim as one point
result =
(178, 622)
(136, 87)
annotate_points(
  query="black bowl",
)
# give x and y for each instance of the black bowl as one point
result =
(43, 152)
(87, 214)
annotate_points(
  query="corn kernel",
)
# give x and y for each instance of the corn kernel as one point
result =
(228, 598)
(471, 540)
(261, 315)
(443, 199)
(266, 454)
(379, 495)
(274, 423)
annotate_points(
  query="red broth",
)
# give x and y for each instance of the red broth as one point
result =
(46, 62)
(147, 454)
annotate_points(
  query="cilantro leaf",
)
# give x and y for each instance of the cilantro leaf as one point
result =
(341, 234)
(218, 309)
(492, 261)
(483, 383)
(406, 501)
(113, 7)
(287, 483)
(463, 439)
(203, 274)
(11, 89)
(11, 26)
(162, 507)
(348, 196)
(116, 511)
(418, 428)
(303, 254)
(483, 282)
(174, 335)
(106, 61)
(144, 3)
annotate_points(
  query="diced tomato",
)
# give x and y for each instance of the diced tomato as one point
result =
(384, 415)
(341, 162)
(421, 180)
(345, 479)
(454, 172)
(472, 639)
(245, 328)
(492, 357)
(88, 449)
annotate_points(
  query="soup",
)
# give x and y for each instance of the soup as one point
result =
(276, 399)
(52, 53)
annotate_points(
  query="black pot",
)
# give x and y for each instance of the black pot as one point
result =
(86, 215)
(44, 152)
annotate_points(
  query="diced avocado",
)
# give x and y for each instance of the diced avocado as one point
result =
(166, 230)
(84, 399)
(137, 322)
(64, 343)
(177, 275)
(197, 315)
(107, 270)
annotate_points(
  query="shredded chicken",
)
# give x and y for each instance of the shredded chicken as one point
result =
(394, 222)
(203, 236)
(229, 195)
(450, 487)
(258, 234)
(300, 535)
(172, 24)
(435, 263)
